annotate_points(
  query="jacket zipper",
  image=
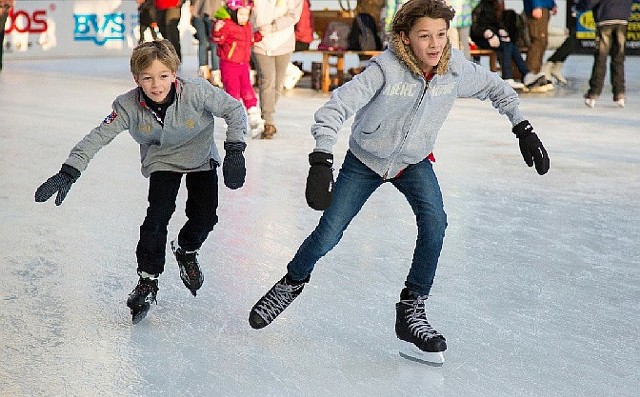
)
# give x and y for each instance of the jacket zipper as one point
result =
(426, 87)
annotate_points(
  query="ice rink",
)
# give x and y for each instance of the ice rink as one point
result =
(537, 291)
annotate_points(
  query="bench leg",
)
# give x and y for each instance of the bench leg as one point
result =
(326, 74)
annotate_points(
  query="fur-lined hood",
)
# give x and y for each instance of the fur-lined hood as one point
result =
(405, 55)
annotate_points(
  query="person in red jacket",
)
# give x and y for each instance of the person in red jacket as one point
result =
(235, 37)
(168, 17)
(304, 28)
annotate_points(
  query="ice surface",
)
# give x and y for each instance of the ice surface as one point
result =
(537, 290)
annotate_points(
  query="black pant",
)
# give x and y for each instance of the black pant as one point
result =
(202, 203)
(168, 21)
(3, 20)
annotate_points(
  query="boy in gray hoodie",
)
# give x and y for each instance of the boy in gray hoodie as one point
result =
(172, 119)
(400, 102)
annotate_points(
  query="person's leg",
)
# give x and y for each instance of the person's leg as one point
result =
(566, 48)
(538, 31)
(247, 93)
(420, 186)
(213, 47)
(172, 16)
(281, 63)
(3, 21)
(506, 57)
(230, 78)
(601, 52)
(202, 204)
(161, 20)
(355, 183)
(202, 36)
(150, 252)
(463, 34)
(266, 85)
(619, 35)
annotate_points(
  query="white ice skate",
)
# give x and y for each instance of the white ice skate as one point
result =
(292, 76)
(256, 123)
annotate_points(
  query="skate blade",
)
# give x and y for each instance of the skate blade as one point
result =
(411, 352)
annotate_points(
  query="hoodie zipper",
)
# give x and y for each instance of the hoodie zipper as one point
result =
(404, 139)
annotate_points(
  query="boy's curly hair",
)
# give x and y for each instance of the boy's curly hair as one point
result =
(144, 54)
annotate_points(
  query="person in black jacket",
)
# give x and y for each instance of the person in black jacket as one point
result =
(612, 18)
(489, 30)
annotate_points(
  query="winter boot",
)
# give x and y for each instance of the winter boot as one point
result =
(419, 341)
(556, 71)
(204, 72)
(269, 131)
(536, 82)
(141, 298)
(216, 78)
(278, 298)
(190, 272)
(256, 123)
(546, 69)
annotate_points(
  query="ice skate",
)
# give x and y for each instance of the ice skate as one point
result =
(141, 298)
(590, 100)
(256, 123)
(190, 272)
(418, 340)
(278, 298)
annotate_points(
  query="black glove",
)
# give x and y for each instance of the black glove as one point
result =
(233, 169)
(320, 181)
(531, 147)
(60, 182)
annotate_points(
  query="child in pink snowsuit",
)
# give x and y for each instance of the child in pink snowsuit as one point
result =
(235, 37)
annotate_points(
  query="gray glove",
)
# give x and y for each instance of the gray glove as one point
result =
(60, 182)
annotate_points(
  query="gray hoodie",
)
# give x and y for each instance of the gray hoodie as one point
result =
(398, 114)
(185, 143)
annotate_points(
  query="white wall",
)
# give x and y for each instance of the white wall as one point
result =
(79, 28)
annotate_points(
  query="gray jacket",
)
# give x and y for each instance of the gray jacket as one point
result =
(186, 141)
(398, 115)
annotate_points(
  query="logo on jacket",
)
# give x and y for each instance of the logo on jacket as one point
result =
(190, 123)
(109, 119)
(400, 89)
(442, 89)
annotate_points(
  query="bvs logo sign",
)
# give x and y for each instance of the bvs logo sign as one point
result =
(89, 28)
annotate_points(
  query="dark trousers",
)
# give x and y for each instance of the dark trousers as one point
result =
(568, 46)
(3, 20)
(202, 203)
(610, 40)
(168, 21)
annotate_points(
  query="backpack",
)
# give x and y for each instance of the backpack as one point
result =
(516, 25)
(335, 37)
(364, 34)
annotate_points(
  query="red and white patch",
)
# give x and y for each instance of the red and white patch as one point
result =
(109, 119)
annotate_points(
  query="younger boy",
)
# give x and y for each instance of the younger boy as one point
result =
(172, 119)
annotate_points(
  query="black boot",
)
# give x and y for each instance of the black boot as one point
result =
(190, 272)
(278, 298)
(141, 298)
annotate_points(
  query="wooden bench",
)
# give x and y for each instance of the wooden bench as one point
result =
(333, 66)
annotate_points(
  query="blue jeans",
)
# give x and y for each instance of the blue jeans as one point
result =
(355, 183)
(510, 52)
(203, 28)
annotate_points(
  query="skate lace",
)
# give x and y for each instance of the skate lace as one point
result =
(277, 299)
(416, 318)
(146, 290)
(190, 264)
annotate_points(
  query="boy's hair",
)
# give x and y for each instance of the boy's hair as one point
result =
(411, 11)
(144, 54)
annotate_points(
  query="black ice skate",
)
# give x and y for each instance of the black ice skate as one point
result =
(190, 272)
(141, 297)
(275, 301)
(418, 340)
